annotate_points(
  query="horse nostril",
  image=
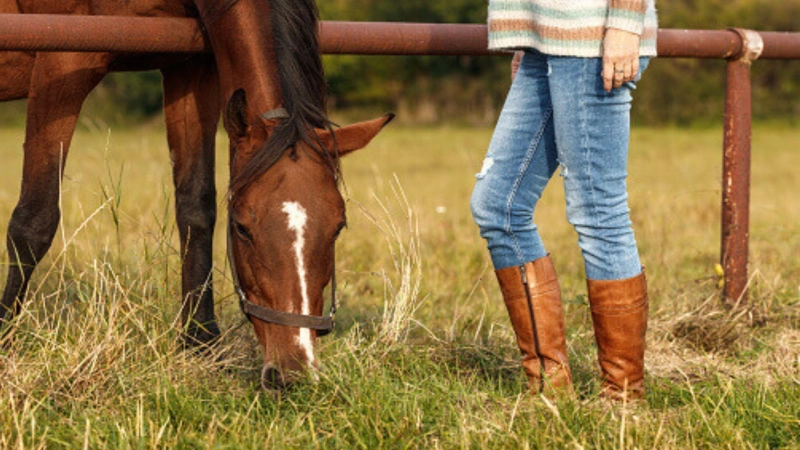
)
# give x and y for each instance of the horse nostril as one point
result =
(272, 379)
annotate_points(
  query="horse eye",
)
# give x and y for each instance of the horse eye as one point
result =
(339, 229)
(242, 231)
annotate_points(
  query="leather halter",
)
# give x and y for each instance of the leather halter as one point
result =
(323, 325)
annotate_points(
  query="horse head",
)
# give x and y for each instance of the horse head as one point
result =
(285, 213)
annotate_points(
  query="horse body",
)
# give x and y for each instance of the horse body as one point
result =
(285, 209)
(56, 85)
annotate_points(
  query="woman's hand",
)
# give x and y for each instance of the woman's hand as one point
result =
(620, 58)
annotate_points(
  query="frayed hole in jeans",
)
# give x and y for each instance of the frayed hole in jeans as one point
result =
(563, 173)
(487, 164)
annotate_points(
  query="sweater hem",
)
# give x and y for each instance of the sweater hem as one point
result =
(510, 44)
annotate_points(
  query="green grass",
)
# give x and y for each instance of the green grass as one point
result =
(423, 356)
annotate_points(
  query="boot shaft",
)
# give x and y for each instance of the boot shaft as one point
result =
(619, 314)
(533, 299)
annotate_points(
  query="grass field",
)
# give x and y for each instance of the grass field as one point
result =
(423, 356)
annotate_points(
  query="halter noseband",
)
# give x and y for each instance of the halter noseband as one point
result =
(323, 325)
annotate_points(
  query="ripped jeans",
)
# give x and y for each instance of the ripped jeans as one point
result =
(557, 113)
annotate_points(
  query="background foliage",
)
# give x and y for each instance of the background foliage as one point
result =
(472, 89)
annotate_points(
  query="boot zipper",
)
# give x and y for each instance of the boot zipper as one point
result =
(536, 346)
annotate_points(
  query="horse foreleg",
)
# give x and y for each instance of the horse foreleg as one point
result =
(59, 84)
(191, 110)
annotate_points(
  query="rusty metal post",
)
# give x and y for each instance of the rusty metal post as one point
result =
(736, 169)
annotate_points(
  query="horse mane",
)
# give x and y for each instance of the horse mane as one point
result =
(303, 87)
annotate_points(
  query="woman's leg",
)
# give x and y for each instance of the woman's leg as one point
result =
(592, 129)
(520, 162)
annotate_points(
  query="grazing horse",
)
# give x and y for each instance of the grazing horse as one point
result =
(284, 207)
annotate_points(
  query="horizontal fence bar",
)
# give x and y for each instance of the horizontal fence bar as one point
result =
(43, 32)
(47, 33)
(388, 38)
(780, 45)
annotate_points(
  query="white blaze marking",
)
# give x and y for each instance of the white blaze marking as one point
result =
(297, 222)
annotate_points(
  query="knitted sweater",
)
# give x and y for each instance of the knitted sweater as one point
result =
(569, 27)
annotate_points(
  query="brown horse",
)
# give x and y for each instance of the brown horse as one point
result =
(285, 209)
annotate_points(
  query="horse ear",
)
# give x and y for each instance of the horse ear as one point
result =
(354, 137)
(235, 120)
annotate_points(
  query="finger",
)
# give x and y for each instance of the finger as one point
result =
(619, 75)
(608, 74)
(627, 72)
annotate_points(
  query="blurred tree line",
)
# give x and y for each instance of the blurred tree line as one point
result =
(472, 89)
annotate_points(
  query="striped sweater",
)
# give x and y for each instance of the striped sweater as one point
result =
(569, 27)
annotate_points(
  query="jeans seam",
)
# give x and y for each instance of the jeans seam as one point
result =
(585, 141)
(587, 88)
(532, 147)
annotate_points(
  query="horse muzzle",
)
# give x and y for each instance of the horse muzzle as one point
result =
(273, 379)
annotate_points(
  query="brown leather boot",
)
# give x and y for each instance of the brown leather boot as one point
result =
(619, 312)
(533, 299)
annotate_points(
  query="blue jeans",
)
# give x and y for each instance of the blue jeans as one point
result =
(557, 113)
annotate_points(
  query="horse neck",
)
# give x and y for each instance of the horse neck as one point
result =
(243, 42)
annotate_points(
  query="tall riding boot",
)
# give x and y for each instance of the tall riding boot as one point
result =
(533, 299)
(619, 312)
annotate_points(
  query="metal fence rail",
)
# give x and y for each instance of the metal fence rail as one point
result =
(44, 32)
(24, 32)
